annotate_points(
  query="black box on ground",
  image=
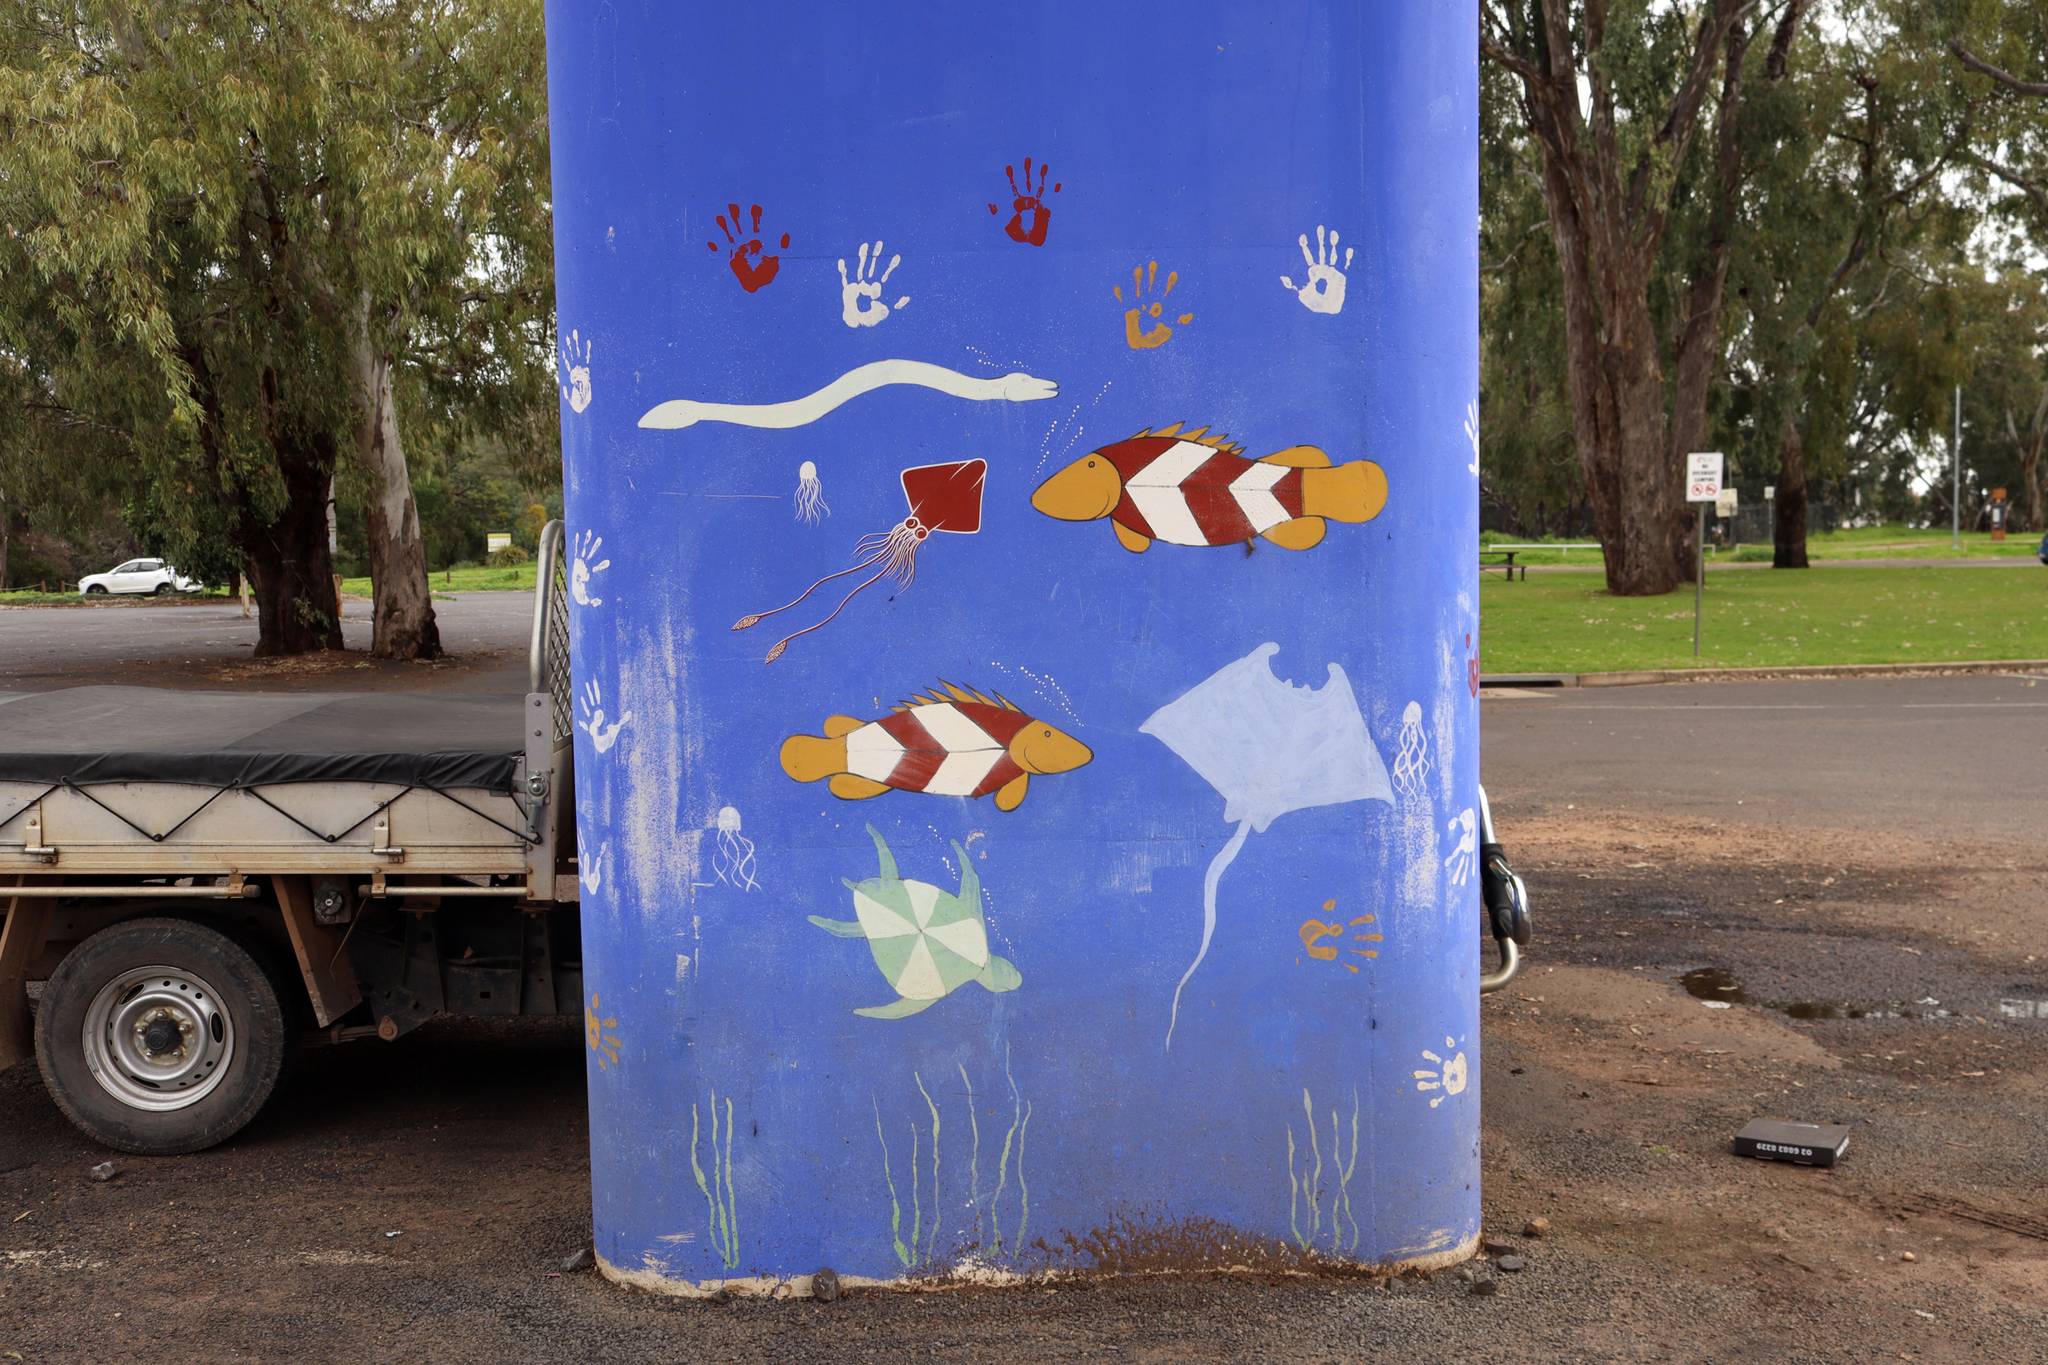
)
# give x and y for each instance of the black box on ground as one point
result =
(1807, 1144)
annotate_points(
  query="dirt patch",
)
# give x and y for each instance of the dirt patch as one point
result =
(1610, 1097)
(353, 671)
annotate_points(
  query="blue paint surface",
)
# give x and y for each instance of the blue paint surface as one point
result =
(1205, 136)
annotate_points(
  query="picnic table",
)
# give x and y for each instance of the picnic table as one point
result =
(1503, 556)
(1492, 557)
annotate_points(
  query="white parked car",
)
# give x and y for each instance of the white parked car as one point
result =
(150, 576)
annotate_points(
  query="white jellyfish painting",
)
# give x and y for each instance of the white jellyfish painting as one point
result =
(732, 861)
(1412, 762)
(1268, 747)
(810, 495)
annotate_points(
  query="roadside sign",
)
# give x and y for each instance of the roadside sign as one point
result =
(1702, 486)
(1703, 476)
(495, 541)
(1724, 503)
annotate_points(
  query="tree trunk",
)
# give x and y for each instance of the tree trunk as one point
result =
(2028, 447)
(6, 518)
(289, 566)
(1788, 530)
(403, 604)
(1619, 418)
(286, 558)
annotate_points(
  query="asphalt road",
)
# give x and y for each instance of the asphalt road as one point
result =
(188, 645)
(1934, 754)
(1813, 899)
(1919, 752)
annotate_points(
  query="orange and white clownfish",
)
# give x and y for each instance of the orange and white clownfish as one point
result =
(1188, 488)
(953, 742)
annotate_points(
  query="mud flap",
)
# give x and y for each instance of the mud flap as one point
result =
(26, 923)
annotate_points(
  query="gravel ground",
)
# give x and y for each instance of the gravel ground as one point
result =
(1879, 957)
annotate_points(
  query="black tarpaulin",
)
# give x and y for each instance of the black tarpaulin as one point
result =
(143, 734)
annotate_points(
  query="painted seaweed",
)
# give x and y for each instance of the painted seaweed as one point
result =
(925, 1186)
(1307, 1192)
(720, 1201)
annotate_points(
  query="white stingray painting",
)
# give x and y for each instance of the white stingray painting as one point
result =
(1268, 747)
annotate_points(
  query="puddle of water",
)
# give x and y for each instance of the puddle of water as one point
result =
(1714, 984)
(1718, 987)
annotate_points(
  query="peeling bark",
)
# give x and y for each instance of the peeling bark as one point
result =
(403, 606)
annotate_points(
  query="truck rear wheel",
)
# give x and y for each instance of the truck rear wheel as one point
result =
(161, 1036)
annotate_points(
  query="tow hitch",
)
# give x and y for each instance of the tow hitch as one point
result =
(1506, 900)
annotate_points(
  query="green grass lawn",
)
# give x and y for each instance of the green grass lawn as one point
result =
(473, 578)
(1865, 542)
(28, 597)
(1567, 623)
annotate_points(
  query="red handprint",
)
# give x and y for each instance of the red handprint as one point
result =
(752, 269)
(1027, 200)
(1471, 667)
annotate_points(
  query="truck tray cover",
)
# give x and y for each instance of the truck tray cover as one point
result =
(87, 735)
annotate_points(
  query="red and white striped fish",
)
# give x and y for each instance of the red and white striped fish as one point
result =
(1187, 488)
(954, 742)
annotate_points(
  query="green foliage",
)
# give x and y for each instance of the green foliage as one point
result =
(1885, 248)
(212, 211)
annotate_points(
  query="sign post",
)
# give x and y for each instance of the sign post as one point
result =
(1702, 486)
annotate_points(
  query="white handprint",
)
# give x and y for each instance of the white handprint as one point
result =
(1463, 860)
(1472, 435)
(1323, 290)
(860, 298)
(1449, 1075)
(590, 871)
(576, 371)
(582, 570)
(602, 736)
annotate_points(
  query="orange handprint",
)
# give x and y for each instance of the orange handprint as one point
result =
(1320, 939)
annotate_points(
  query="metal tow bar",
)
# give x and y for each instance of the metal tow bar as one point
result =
(1507, 902)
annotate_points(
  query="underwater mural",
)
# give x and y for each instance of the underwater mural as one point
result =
(811, 507)
(1016, 387)
(1192, 488)
(944, 499)
(927, 942)
(1268, 747)
(1136, 937)
(953, 741)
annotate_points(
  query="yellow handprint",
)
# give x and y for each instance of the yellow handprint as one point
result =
(1143, 279)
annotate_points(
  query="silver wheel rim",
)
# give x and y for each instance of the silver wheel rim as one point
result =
(158, 1038)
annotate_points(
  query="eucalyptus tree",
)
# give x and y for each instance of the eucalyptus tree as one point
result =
(235, 235)
(1843, 217)
(2001, 48)
(1636, 114)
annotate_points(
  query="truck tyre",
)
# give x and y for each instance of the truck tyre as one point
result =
(161, 1036)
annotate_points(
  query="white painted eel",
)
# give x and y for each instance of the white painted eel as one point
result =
(877, 374)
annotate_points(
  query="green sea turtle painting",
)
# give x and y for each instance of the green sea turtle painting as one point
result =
(927, 943)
